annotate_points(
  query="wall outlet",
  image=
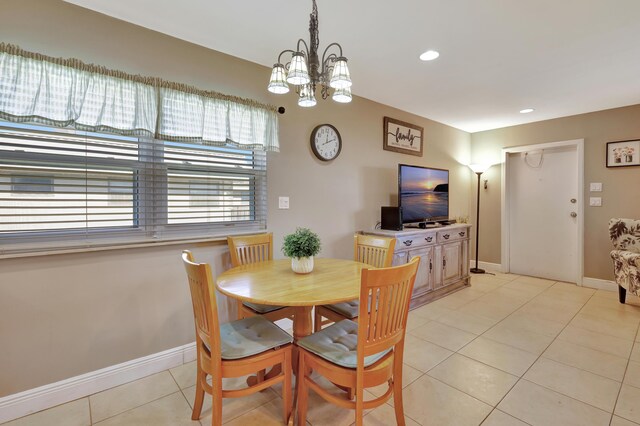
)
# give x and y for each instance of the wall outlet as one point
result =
(595, 202)
(283, 203)
(596, 187)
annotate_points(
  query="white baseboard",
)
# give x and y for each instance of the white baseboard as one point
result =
(47, 396)
(190, 353)
(599, 284)
(486, 265)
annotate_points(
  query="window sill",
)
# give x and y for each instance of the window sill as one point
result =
(216, 239)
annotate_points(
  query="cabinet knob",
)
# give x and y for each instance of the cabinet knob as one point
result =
(430, 265)
(429, 239)
(461, 233)
(445, 236)
(444, 262)
(407, 243)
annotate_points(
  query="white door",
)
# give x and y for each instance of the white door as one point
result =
(542, 200)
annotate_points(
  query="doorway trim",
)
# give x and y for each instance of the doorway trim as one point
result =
(579, 145)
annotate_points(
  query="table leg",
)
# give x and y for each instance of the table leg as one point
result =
(302, 327)
(275, 371)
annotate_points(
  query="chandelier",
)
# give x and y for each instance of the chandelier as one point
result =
(305, 71)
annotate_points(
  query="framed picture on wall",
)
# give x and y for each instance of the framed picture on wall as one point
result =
(623, 153)
(402, 137)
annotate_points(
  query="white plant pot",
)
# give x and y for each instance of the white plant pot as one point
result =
(302, 265)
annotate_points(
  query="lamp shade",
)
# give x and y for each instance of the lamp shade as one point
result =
(340, 77)
(277, 82)
(342, 95)
(307, 97)
(298, 73)
(479, 168)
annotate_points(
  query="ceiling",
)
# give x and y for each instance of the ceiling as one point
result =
(561, 57)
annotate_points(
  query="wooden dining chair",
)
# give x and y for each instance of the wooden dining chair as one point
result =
(363, 354)
(233, 349)
(372, 250)
(252, 249)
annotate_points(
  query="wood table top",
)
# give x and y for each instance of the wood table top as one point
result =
(274, 283)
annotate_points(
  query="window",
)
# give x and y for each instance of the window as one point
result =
(68, 188)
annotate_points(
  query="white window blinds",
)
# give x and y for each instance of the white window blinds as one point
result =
(66, 189)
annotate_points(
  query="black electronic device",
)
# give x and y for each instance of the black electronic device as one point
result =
(391, 218)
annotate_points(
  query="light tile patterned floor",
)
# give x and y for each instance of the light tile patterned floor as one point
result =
(509, 350)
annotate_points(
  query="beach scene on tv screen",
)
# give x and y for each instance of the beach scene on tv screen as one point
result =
(424, 194)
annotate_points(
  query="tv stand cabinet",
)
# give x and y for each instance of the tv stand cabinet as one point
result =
(444, 258)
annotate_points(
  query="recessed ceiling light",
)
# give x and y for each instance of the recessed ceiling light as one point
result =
(429, 55)
(526, 110)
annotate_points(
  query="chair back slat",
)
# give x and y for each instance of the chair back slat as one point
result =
(250, 248)
(373, 250)
(387, 293)
(203, 299)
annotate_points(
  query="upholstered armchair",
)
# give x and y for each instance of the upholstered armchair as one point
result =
(625, 235)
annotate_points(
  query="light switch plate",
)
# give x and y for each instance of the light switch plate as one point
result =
(595, 202)
(283, 203)
(596, 187)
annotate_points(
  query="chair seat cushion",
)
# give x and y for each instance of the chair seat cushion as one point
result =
(261, 309)
(346, 309)
(338, 344)
(250, 336)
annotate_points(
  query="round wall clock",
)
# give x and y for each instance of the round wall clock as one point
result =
(326, 142)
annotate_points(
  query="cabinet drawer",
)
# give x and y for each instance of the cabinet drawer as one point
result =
(413, 241)
(453, 235)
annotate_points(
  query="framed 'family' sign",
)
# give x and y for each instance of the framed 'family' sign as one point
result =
(402, 137)
(623, 153)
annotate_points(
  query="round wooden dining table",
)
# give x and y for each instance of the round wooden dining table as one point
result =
(274, 283)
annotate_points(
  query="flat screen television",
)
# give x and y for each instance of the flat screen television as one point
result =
(423, 193)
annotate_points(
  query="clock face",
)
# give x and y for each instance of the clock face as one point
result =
(326, 142)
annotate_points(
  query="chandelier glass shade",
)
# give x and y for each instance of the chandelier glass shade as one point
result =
(278, 83)
(307, 72)
(340, 78)
(342, 96)
(307, 97)
(298, 73)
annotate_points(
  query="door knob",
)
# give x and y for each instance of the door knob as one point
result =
(574, 214)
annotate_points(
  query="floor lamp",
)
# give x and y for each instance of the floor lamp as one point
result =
(478, 169)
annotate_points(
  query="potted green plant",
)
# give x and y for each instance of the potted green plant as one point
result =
(301, 246)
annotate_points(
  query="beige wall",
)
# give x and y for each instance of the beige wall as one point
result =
(620, 196)
(65, 315)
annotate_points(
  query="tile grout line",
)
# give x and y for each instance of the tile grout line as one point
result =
(486, 318)
(497, 409)
(623, 377)
(403, 413)
(582, 369)
(553, 390)
(556, 338)
(136, 407)
(520, 378)
(482, 334)
(90, 413)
